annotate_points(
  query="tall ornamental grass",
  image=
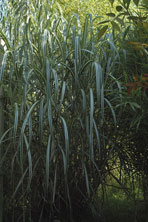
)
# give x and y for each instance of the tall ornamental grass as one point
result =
(60, 90)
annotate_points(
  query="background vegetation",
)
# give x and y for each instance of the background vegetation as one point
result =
(73, 81)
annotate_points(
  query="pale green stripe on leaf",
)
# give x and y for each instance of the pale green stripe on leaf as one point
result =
(27, 117)
(66, 138)
(29, 160)
(98, 71)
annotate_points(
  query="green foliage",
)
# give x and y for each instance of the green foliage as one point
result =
(58, 82)
(82, 8)
(119, 206)
(69, 117)
(125, 3)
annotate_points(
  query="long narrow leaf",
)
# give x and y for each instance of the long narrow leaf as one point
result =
(91, 125)
(27, 117)
(66, 139)
(48, 162)
(112, 110)
(98, 70)
(29, 160)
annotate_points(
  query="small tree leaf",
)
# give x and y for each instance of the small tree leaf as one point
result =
(126, 3)
(111, 14)
(106, 21)
(102, 31)
(115, 26)
(119, 8)
(145, 26)
(111, 2)
(136, 2)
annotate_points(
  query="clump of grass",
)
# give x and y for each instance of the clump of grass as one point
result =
(58, 81)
